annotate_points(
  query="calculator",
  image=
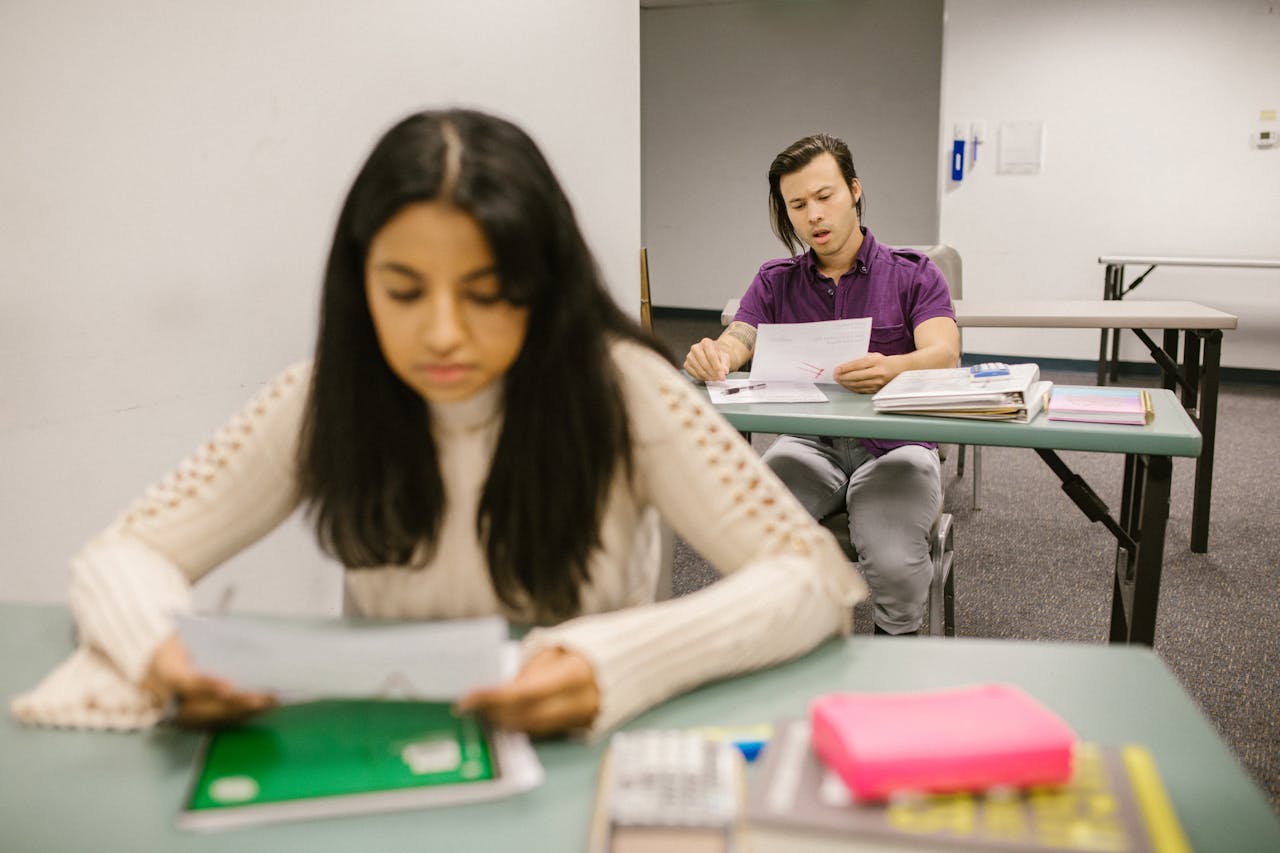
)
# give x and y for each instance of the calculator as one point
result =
(667, 789)
(990, 368)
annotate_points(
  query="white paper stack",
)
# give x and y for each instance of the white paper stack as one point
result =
(957, 393)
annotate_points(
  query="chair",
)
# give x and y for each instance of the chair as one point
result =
(942, 550)
(947, 259)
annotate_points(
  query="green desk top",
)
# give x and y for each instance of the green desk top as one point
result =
(70, 791)
(1170, 433)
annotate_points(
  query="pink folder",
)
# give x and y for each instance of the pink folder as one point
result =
(959, 739)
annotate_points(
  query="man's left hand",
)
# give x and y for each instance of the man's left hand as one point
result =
(555, 691)
(868, 374)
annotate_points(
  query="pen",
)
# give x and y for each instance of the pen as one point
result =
(744, 388)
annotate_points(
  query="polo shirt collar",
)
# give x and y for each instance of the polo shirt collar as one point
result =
(861, 261)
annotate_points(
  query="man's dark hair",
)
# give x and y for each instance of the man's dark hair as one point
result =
(368, 465)
(795, 157)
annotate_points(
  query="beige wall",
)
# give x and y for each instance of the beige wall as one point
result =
(169, 178)
(1148, 110)
(725, 87)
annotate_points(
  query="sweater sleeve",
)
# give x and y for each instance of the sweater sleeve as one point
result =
(129, 580)
(789, 586)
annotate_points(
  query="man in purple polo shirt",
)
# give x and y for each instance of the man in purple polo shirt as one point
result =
(891, 489)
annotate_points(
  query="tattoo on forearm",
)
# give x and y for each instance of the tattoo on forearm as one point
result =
(744, 333)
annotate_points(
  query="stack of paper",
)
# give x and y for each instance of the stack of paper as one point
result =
(1114, 800)
(957, 393)
(304, 660)
(751, 391)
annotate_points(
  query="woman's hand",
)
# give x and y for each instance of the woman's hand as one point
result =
(556, 690)
(201, 699)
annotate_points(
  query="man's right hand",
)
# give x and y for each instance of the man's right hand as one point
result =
(202, 699)
(708, 361)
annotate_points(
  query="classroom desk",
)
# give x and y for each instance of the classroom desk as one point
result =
(1113, 286)
(1148, 470)
(119, 792)
(1197, 375)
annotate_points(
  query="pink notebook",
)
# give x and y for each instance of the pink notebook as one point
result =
(1101, 405)
(960, 739)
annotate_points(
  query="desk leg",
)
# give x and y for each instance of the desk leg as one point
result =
(1108, 292)
(1128, 497)
(1208, 423)
(1191, 371)
(1117, 292)
(1136, 588)
(1122, 581)
(1169, 374)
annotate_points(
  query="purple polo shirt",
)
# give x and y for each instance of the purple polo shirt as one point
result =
(897, 288)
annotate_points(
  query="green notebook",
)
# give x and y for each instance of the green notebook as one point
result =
(350, 756)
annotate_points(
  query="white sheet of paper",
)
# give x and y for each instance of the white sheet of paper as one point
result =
(751, 391)
(438, 661)
(1021, 148)
(807, 352)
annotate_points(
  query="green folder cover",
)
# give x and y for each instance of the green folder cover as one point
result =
(345, 756)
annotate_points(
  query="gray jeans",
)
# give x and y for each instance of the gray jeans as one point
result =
(892, 502)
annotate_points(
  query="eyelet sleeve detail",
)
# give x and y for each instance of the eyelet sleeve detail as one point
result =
(231, 488)
(129, 580)
(747, 490)
(787, 585)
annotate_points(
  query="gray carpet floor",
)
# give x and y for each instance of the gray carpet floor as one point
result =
(1218, 627)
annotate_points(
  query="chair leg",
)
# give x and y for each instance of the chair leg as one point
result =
(949, 597)
(667, 546)
(942, 586)
(977, 477)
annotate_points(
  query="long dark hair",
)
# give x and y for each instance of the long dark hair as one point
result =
(367, 463)
(795, 157)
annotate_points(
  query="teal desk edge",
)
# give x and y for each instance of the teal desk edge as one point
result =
(62, 790)
(1170, 433)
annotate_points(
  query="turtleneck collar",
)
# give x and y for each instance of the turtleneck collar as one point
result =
(475, 412)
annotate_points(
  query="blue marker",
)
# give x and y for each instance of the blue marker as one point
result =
(748, 739)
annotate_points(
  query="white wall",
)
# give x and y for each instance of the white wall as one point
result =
(1148, 107)
(725, 87)
(169, 178)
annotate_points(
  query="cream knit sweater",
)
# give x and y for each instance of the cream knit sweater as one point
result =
(787, 585)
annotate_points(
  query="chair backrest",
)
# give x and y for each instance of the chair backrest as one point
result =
(948, 262)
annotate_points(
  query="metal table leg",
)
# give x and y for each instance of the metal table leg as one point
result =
(1113, 369)
(1133, 612)
(1108, 292)
(1144, 515)
(1208, 423)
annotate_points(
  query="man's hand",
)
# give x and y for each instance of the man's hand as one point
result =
(708, 361)
(202, 699)
(555, 691)
(712, 361)
(937, 346)
(868, 374)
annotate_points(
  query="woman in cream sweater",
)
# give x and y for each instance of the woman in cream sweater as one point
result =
(481, 431)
